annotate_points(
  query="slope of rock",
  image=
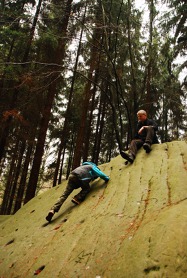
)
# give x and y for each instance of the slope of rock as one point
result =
(135, 226)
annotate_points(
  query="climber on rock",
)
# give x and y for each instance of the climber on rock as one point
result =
(145, 136)
(79, 177)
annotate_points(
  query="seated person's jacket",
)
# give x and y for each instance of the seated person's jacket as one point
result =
(142, 136)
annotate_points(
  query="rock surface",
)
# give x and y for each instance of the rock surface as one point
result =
(135, 226)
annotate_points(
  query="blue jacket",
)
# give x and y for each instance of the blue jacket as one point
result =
(88, 172)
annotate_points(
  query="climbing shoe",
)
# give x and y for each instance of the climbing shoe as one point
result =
(128, 157)
(147, 147)
(50, 215)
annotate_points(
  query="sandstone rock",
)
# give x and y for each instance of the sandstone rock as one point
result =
(135, 226)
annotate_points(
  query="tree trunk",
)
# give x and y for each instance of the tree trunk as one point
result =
(89, 122)
(80, 137)
(32, 31)
(22, 185)
(8, 188)
(69, 167)
(61, 166)
(132, 64)
(52, 90)
(86, 98)
(16, 176)
(66, 122)
(32, 184)
(100, 125)
(148, 104)
(5, 130)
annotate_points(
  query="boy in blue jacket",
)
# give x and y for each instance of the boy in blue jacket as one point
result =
(79, 177)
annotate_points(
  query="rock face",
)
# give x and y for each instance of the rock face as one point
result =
(135, 226)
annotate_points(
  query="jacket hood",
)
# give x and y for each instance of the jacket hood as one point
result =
(89, 163)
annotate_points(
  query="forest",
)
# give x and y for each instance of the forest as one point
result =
(73, 75)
